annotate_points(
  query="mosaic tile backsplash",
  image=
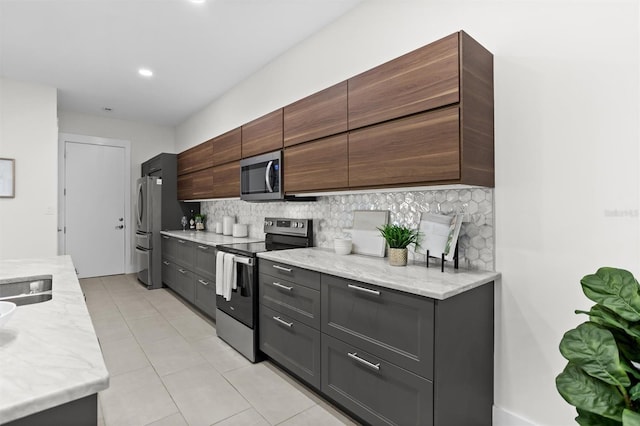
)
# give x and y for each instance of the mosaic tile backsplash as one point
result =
(333, 215)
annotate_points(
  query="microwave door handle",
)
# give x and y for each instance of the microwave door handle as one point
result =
(267, 178)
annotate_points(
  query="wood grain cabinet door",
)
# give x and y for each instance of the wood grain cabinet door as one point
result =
(202, 184)
(418, 81)
(227, 147)
(423, 148)
(185, 187)
(316, 116)
(262, 135)
(226, 180)
(317, 165)
(197, 158)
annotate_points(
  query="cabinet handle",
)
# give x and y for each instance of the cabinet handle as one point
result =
(203, 282)
(283, 322)
(181, 242)
(203, 247)
(165, 237)
(166, 263)
(282, 268)
(366, 290)
(355, 356)
(282, 286)
(182, 271)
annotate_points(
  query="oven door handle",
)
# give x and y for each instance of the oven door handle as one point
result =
(243, 260)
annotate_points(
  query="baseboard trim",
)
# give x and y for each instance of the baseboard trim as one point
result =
(502, 417)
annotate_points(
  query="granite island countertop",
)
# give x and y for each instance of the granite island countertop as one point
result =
(49, 352)
(413, 278)
(208, 238)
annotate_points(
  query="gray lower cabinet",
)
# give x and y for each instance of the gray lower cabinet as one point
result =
(189, 269)
(377, 391)
(205, 297)
(185, 284)
(388, 357)
(291, 343)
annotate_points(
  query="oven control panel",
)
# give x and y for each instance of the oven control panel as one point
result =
(287, 226)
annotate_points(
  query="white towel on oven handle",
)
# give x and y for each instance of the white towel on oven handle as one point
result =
(220, 273)
(226, 274)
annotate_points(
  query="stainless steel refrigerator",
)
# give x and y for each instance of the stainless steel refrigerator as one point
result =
(148, 227)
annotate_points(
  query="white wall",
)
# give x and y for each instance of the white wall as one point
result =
(567, 131)
(146, 141)
(29, 134)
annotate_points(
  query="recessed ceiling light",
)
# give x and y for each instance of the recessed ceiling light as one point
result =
(145, 72)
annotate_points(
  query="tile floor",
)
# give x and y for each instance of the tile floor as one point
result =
(168, 367)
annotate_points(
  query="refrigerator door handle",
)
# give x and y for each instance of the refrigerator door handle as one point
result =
(139, 206)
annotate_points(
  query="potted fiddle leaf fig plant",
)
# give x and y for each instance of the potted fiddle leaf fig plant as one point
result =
(602, 377)
(398, 238)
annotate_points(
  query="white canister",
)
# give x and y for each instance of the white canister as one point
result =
(240, 230)
(218, 227)
(227, 224)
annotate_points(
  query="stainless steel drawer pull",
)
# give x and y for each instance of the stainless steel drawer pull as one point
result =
(203, 247)
(282, 268)
(203, 282)
(366, 290)
(166, 263)
(182, 271)
(283, 322)
(277, 284)
(355, 356)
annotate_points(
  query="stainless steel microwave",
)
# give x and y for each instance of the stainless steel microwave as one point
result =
(261, 177)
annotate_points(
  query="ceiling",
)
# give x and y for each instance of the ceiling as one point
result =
(91, 50)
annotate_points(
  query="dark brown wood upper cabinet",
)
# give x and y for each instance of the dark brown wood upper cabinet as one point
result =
(197, 158)
(227, 147)
(322, 114)
(262, 135)
(417, 81)
(196, 186)
(317, 165)
(226, 180)
(423, 148)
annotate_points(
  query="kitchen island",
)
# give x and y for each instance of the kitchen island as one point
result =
(51, 365)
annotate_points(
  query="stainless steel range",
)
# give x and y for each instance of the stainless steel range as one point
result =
(237, 315)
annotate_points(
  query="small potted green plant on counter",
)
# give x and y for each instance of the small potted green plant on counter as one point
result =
(602, 377)
(398, 238)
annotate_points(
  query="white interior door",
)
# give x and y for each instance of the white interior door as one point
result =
(94, 197)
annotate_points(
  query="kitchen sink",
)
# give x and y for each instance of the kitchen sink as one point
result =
(27, 290)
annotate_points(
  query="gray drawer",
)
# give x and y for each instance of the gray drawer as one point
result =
(205, 261)
(300, 276)
(185, 284)
(169, 248)
(205, 295)
(298, 302)
(185, 253)
(392, 325)
(168, 273)
(291, 343)
(375, 390)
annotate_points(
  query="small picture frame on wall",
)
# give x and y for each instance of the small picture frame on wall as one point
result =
(7, 178)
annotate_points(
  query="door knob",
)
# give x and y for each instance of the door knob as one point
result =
(121, 219)
(119, 226)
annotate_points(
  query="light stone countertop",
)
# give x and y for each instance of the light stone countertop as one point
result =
(207, 237)
(415, 279)
(49, 352)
